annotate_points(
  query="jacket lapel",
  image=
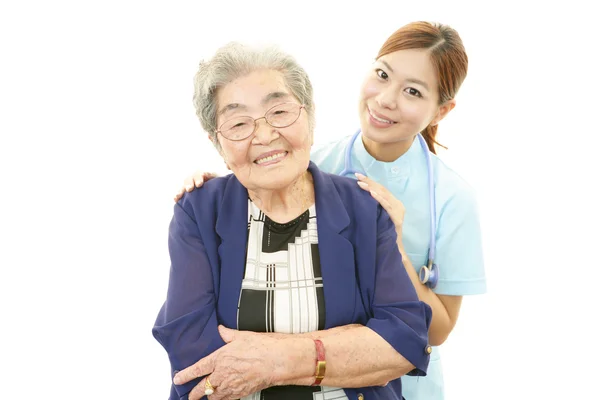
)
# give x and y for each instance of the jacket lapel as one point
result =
(335, 251)
(232, 227)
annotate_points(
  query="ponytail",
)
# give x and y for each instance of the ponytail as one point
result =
(429, 136)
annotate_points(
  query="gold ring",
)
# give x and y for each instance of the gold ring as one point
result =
(208, 388)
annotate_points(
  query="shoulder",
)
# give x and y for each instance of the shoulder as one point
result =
(331, 152)
(451, 188)
(348, 189)
(207, 198)
(324, 148)
(364, 211)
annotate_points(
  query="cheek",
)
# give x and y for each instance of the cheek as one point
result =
(414, 112)
(235, 154)
(300, 138)
(369, 89)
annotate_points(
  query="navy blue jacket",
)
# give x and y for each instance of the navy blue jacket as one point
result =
(363, 276)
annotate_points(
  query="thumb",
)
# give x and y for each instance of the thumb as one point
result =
(226, 334)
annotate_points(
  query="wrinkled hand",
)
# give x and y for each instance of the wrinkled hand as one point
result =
(194, 181)
(246, 364)
(391, 204)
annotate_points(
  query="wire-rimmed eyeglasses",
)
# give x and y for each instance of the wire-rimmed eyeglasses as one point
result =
(279, 116)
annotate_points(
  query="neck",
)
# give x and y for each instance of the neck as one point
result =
(286, 203)
(387, 152)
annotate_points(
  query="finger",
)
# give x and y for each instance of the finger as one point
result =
(360, 176)
(201, 368)
(227, 334)
(199, 390)
(371, 188)
(365, 179)
(216, 380)
(375, 185)
(381, 200)
(364, 186)
(199, 181)
(179, 195)
(188, 183)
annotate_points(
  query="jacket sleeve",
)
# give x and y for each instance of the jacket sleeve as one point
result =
(186, 325)
(398, 315)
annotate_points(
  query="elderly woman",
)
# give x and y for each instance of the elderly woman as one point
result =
(286, 282)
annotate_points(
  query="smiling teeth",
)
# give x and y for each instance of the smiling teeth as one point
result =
(270, 158)
(381, 120)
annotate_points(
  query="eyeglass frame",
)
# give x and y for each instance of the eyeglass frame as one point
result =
(302, 106)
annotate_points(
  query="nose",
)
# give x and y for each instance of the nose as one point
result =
(387, 98)
(264, 133)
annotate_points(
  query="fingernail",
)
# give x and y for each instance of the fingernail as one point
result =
(359, 175)
(373, 192)
(188, 187)
(177, 380)
(362, 184)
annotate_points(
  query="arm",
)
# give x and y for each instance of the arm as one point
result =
(460, 257)
(394, 341)
(392, 344)
(186, 325)
(445, 308)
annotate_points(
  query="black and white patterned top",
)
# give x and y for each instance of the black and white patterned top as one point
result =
(282, 290)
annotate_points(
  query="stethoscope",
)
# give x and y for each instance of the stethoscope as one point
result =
(428, 274)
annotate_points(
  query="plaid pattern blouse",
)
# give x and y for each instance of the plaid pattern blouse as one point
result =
(282, 290)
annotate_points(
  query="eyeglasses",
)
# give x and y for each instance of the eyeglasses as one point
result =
(279, 116)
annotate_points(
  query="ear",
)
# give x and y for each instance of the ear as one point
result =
(443, 110)
(215, 141)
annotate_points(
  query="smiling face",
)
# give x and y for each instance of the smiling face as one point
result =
(271, 158)
(399, 98)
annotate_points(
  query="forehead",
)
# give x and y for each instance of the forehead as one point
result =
(251, 89)
(412, 64)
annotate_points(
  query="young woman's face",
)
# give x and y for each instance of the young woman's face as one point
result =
(270, 158)
(399, 97)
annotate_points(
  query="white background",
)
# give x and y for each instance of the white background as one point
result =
(98, 132)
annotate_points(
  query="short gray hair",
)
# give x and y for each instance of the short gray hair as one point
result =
(235, 60)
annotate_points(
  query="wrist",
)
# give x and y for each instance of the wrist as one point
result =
(298, 357)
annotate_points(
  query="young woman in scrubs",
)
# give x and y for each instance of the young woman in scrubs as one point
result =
(409, 90)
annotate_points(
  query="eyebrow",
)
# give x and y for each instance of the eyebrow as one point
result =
(268, 98)
(274, 95)
(413, 80)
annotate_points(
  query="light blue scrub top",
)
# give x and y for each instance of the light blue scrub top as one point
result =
(458, 240)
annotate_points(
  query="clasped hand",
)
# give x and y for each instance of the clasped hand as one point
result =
(249, 362)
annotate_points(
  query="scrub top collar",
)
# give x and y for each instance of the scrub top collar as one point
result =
(396, 172)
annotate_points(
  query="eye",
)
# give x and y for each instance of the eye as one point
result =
(413, 92)
(381, 73)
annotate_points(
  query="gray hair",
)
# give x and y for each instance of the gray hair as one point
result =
(235, 60)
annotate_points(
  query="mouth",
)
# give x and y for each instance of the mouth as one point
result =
(380, 117)
(270, 157)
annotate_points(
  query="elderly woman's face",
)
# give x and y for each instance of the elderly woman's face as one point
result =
(271, 158)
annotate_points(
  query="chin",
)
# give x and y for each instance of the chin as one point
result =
(375, 135)
(274, 180)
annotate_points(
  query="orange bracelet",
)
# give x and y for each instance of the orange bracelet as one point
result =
(321, 364)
